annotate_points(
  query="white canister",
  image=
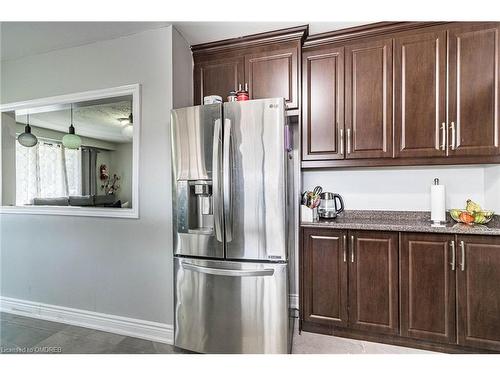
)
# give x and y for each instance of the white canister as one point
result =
(212, 99)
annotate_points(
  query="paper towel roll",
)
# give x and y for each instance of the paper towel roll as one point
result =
(438, 202)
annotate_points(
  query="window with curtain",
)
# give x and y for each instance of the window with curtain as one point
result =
(47, 170)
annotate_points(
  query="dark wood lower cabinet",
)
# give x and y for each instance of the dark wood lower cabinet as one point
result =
(427, 287)
(325, 277)
(438, 292)
(478, 287)
(373, 281)
(351, 279)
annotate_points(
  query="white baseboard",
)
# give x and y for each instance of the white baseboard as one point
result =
(293, 301)
(143, 329)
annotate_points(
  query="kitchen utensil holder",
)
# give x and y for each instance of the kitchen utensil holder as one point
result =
(308, 215)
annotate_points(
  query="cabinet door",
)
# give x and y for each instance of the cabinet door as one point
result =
(474, 84)
(478, 275)
(325, 276)
(274, 74)
(427, 287)
(420, 78)
(368, 95)
(323, 108)
(217, 77)
(373, 281)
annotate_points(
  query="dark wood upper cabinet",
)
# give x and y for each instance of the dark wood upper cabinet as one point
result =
(390, 93)
(217, 77)
(373, 281)
(427, 287)
(368, 97)
(274, 74)
(420, 94)
(473, 88)
(324, 276)
(268, 62)
(478, 275)
(323, 98)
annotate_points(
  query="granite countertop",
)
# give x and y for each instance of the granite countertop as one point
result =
(402, 221)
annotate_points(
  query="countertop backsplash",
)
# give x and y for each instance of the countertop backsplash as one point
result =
(408, 188)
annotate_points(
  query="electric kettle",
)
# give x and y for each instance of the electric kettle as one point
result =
(328, 205)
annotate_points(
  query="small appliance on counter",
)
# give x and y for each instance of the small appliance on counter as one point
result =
(328, 205)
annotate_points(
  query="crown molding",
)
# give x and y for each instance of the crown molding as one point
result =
(254, 40)
(369, 30)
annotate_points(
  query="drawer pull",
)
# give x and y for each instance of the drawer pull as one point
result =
(453, 255)
(352, 249)
(345, 248)
(462, 248)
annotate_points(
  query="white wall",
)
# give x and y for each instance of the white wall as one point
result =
(182, 62)
(114, 266)
(492, 187)
(405, 188)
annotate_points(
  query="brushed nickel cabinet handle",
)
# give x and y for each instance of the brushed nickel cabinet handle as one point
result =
(352, 249)
(443, 135)
(341, 138)
(453, 255)
(462, 248)
(349, 141)
(345, 248)
(453, 136)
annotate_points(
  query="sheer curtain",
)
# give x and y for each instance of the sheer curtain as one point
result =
(47, 170)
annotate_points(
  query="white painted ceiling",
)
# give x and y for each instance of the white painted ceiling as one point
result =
(203, 32)
(21, 39)
(99, 121)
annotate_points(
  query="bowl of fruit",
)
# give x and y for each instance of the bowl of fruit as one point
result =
(473, 214)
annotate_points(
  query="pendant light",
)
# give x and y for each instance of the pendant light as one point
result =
(71, 140)
(27, 139)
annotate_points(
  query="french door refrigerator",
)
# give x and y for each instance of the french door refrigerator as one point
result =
(230, 227)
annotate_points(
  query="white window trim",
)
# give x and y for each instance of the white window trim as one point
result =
(131, 213)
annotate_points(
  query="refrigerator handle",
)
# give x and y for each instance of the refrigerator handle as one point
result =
(227, 174)
(216, 186)
(228, 272)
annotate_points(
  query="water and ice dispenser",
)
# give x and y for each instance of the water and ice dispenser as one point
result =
(195, 211)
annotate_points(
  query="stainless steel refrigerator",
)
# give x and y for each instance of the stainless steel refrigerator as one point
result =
(230, 227)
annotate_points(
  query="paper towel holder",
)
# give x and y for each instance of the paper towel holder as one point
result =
(438, 218)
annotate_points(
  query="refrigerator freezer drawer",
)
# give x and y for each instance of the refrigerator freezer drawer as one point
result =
(231, 307)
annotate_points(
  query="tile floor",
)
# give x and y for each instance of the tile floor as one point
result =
(20, 334)
(311, 343)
